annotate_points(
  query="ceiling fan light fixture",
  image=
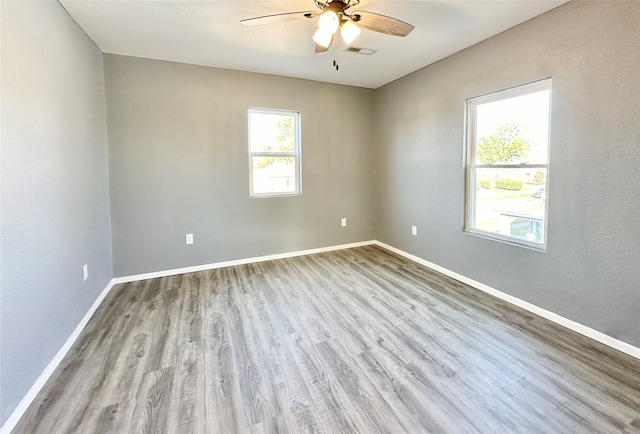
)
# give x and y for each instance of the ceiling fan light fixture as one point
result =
(329, 22)
(322, 37)
(349, 32)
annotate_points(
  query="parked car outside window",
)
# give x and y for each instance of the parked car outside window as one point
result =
(539, 193)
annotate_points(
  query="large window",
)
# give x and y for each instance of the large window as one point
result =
(274, 152)
(508, 164)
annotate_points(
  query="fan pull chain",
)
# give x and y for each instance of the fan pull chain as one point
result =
(335, 55)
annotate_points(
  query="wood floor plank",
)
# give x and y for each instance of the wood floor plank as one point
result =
(353, 341)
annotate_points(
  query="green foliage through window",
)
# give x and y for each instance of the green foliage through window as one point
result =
(509, 184)
(285, 142)
(507, 145)
(274, 152)
(507, 164)
(539, 178)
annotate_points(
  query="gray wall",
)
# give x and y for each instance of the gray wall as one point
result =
(591, 271)
(55, 194)
(179, 164)
(385, 159)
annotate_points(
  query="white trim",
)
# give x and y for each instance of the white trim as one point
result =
(553, 317)
(471, 166)
(297, 154)
(28, 399)
(204, 267)
(51, 367)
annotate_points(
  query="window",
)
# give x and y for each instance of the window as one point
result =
(508, 164)
(274, 152)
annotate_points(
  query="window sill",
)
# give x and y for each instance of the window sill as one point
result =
(542, 248)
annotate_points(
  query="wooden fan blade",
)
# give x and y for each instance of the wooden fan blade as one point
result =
(382, 24)
(278, 18)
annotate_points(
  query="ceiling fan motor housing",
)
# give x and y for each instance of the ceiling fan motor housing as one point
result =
(338, 7)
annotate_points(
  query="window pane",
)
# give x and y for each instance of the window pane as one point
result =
(513, 130)
(270, 132)
(274, 175)
(510, 202)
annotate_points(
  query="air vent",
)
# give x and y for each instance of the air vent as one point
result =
(365, 51)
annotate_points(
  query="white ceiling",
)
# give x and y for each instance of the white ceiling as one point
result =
(209, 33)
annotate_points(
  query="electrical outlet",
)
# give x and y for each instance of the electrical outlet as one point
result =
(343, 222)
(189, 239)
(85, 272)
(414, 231)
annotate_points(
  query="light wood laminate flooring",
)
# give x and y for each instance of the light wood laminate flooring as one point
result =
(351, 341)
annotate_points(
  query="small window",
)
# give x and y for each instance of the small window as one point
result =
(274, 152)
(508, 164)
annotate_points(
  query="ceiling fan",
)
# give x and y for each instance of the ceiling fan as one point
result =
(334, 15)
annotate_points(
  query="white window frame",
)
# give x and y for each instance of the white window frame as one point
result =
(296, 154)
(470, 165)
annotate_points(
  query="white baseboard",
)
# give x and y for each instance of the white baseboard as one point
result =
(565, 322)
(204, 267)
(51, 367)
(53, 364)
